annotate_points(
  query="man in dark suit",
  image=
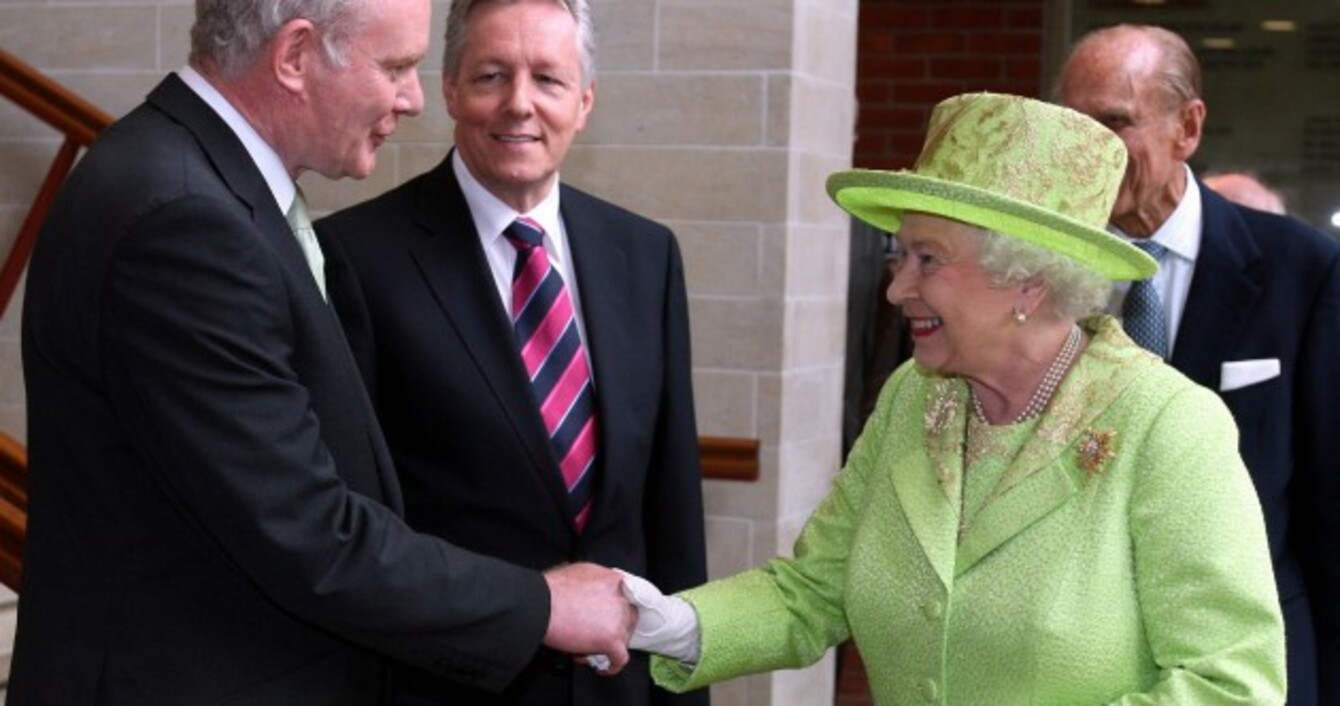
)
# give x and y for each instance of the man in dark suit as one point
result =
(1250, 306)
(432, 283)
(214, 514)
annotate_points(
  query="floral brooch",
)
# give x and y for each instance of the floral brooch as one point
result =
(1095, 449)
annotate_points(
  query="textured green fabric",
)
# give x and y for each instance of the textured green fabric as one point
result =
(1122, 560)
(1033, 170)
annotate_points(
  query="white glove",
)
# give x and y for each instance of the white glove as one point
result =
(666, 625)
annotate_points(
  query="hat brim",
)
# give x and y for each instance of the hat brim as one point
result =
(880, 198)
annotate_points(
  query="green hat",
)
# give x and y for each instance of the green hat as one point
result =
(1018, 166)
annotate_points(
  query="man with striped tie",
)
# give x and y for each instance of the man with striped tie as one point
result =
(526, 344)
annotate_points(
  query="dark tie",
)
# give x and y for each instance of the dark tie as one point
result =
(552, 351)
(1142, 313)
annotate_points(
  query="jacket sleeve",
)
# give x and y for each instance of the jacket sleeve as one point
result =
(787, 613)
(1202, 567)
(199, 337)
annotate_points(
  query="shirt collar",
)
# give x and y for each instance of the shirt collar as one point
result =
(262, 154)
(492, 216)
(1180, 233)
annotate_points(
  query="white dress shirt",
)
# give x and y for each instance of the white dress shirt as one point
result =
(492, 216)
(1180, 237)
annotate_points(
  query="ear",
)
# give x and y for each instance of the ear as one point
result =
(588, 102)
(1029, 295)
(292, 52)
(449, 86)
(1191, 124)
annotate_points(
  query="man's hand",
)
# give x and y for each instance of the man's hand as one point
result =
(588, 614)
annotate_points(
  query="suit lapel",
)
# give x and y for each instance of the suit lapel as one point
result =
(930, 492)
(600, 260)
(1223, 292)
(225, 151)
(454, 269)
(1029, 491)
(232, 162)
(234, 165)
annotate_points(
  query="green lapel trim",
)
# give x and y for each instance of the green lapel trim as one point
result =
(928, 487)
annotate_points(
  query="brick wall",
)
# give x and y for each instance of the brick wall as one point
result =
(913, 53)
(910, 55)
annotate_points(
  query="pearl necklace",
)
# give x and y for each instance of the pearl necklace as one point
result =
(1050, 381)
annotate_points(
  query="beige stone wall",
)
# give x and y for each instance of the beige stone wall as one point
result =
(720, 118)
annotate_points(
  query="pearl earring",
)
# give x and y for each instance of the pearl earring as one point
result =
(1020, 317)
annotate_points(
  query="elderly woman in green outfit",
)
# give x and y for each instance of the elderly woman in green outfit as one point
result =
(1038, 511)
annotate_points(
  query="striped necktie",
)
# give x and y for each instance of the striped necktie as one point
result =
(1142, 313)
(552, 351)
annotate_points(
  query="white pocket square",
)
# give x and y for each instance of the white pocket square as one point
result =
(1241, 373)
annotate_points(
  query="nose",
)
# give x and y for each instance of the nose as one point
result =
(518, 95)
(409, 101)
(902, 287)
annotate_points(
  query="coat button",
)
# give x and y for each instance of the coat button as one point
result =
(933, 609)
(930, 690)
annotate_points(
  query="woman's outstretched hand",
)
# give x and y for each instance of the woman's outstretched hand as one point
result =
(666, 625)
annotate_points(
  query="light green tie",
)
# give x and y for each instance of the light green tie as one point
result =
(306, 235)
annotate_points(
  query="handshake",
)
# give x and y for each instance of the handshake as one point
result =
(603, 613)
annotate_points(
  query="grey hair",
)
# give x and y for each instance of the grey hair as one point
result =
(1074, 291)
(228, 34)
(458, 32)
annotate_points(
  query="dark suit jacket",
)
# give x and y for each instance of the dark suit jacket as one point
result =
(1267, 286)
(409, 278)
(209, 502)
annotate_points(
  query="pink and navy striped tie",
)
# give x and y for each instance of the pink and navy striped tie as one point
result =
(552, 351)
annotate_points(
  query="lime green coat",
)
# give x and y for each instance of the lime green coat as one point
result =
(1122, 559)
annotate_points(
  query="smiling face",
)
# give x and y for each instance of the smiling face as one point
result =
(959, 319)
(356, 107)
(518, 97)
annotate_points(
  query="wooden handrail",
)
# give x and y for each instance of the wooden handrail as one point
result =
(53, 103)
(728, 458)
(722, 458)
(13, 509)
(80, 122)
